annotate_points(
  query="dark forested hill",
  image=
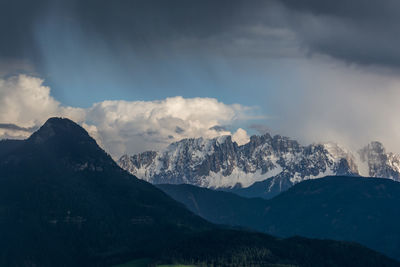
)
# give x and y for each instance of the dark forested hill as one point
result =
(342, 208)
(218, 206)
(63, 199)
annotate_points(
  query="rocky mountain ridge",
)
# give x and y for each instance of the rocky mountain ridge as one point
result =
(379, 162)
(222, 163)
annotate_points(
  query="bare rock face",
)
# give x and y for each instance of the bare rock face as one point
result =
(380, 163)
(222, 163)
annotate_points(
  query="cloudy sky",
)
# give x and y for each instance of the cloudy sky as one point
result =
(141, 74)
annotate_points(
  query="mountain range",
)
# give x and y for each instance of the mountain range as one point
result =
(363, 210)
(65, 202)
(263, 167)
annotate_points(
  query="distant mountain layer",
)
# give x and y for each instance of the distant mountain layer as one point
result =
(65, 202)
(265, 166)
(364, 210)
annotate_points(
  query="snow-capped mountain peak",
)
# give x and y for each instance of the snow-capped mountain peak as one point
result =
(222, 163)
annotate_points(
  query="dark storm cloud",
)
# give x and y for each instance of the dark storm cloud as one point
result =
(219, 128)
(138, 23)
(260, 128)
(179, 130)
(14, 127)
(358, 9)
(16, 19)
(364, 32)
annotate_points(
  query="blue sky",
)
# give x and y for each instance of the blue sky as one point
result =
(82, 70)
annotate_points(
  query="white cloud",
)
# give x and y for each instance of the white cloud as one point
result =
(26, 102)
(332, 102)
(342, 103)
(241, 137)
(142, 125)
(119, 126)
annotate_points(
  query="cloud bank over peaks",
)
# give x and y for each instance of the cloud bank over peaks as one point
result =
(119, 126)
(142, 125)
